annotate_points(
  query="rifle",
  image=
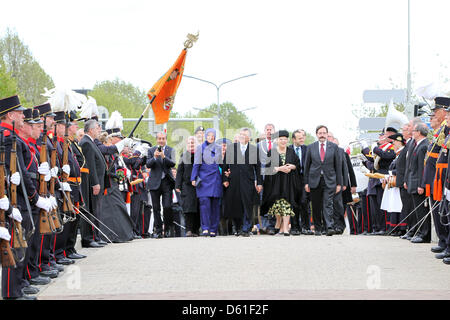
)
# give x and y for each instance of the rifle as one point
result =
(54, 214)
(19, 241)
(46, 225)
(7, 257)
(67, 201)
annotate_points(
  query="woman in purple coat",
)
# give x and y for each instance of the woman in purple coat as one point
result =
(207, 180)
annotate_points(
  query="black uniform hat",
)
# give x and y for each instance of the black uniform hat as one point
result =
(441, 102)
(45, 110)
(398, 137)
(115, 132)
(200, 128)
(28, 113)
(60, 117)
(37, 116)
(10, 104)
(390, 129)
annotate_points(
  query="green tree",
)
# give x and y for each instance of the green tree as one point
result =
(31, 79)
(130, 101)
(8, 86)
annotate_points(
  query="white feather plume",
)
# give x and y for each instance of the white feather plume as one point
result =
(429, 91)
(115, 121)
(64, 99)
(89, 108)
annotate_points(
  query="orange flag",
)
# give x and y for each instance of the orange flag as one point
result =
(163, 92)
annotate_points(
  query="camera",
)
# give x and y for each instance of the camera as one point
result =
(159, 148)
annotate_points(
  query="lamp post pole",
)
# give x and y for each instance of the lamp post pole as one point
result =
(219, 86)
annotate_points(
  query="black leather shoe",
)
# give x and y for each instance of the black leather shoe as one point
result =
(58, 267)
(442, 255)
(365, 233)
(286, 234)
(136, 236)
(30, 290)
(52, 273)
(75, 256)
(40, 280)
(295, 232)
(324, 233)
(317, 233)
(102, 243)
(418, 239)
(271, 232)
(437, 249)
(330, 232)
(446, 260)
(146, 235)
(380, 233)
(91, 244)
(65, 261)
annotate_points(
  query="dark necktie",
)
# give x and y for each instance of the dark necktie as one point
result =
(322, 152)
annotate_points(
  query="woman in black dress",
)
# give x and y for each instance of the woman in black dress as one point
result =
(281, 183)
(183, 185)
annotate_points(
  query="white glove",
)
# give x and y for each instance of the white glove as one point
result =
(128, 142)
(4, 234)
(48, 177)
(66, 169)
(15, 178)
(54, 172)
(44, 169)
(44, 204)
(16, 215)
(65, 187)
(364, 144)
(53, 202)
(120, 145)
(128, 174)
(447, 194)
(4, 203)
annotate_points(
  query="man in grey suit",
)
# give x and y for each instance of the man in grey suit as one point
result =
(323, 179)
(92, 184)
(160, 160)
(414, 182)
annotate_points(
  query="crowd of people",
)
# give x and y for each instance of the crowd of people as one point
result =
(108, 187)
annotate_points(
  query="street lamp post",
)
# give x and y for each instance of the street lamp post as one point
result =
(220, 85)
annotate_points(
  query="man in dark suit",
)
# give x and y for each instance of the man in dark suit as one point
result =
(414, 182)
(400, 165)
(338, 204)
(300, 222)
(242, 184)
(93, 184)
(160, 160)
(264, 146)
(323, 179)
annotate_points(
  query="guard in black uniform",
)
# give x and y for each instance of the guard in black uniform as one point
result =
(378, 162)
(13, 280)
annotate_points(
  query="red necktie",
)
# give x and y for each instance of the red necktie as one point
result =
(270, 145)
(322, 152)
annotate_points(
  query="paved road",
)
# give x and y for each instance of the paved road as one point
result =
(259, 267)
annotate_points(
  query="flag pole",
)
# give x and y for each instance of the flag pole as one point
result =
(140, 119)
